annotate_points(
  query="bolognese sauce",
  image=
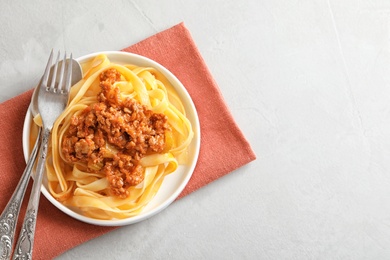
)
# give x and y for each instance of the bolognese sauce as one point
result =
(112, 135)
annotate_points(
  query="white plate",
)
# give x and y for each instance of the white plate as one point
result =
(173, 184)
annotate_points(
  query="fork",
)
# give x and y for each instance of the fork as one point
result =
(52, 100)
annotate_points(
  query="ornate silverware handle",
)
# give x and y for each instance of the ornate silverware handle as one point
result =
(25, 243)
(9, 216)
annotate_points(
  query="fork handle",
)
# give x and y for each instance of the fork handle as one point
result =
(25, 243)
(9, 216)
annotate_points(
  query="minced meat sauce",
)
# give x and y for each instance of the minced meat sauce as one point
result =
(115, 124)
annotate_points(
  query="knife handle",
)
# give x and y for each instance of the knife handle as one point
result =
(9, 216)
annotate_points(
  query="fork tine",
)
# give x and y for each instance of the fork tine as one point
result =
(68, 79)
(60, 82)
(46, 74)
(54, 76)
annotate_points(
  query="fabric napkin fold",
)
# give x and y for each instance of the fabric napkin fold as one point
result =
(223, 146)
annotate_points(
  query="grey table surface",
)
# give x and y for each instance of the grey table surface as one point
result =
(308, 82)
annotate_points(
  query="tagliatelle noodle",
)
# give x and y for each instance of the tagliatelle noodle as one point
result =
(77, 187)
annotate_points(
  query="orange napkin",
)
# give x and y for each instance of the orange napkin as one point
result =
(223, 146)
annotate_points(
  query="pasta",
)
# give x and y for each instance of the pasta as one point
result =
(122, 132)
